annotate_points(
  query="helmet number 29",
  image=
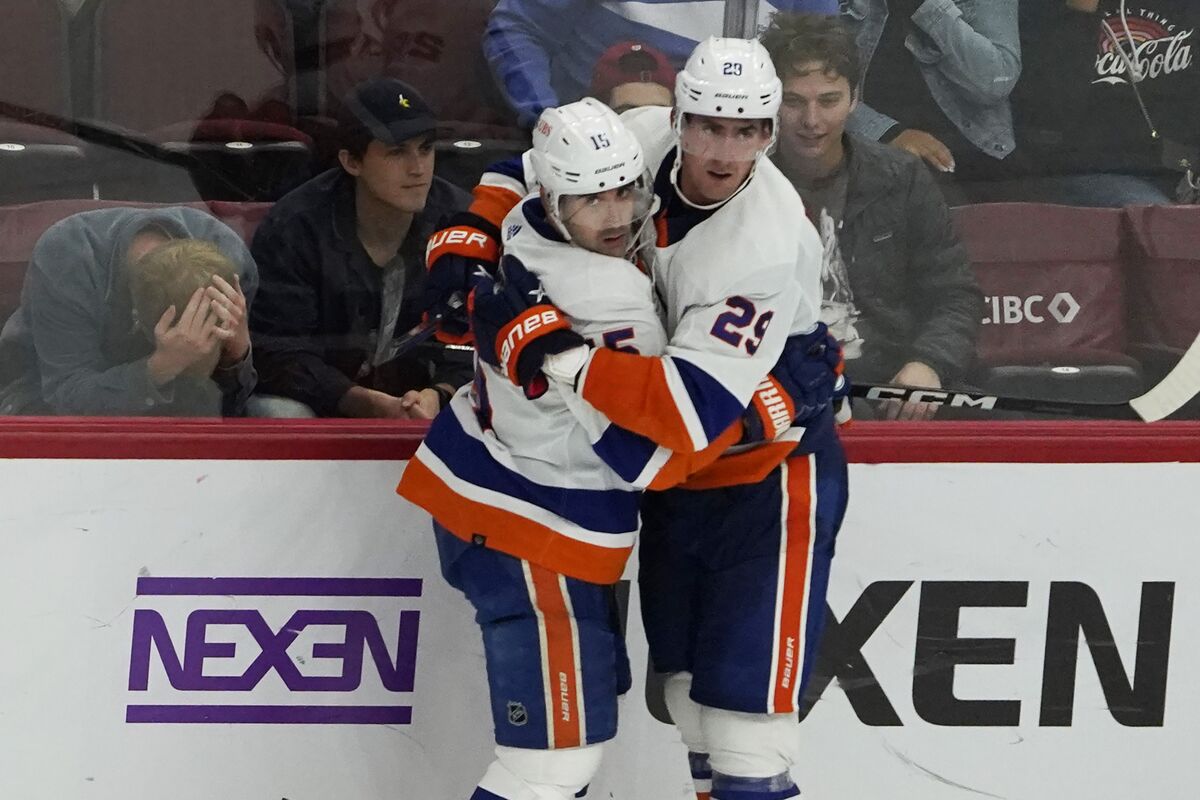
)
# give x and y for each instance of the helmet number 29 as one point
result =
(732, 68)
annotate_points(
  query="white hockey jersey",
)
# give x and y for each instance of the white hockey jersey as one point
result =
(550, 480)
(736, 281)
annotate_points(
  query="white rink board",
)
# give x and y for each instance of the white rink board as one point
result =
(78, 534)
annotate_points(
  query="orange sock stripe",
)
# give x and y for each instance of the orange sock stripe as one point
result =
(493, 203)
(509, 532)
(793, 572)
(632, 391)
(562, 702)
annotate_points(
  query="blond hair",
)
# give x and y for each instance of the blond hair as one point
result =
(169, 274)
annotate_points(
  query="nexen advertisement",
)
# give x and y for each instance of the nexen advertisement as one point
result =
(281, 630)
(342, 643)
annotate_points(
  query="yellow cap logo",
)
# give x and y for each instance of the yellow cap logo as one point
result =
(404, 102)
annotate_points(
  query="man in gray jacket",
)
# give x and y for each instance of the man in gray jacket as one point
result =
(898, 289)
(76, 345)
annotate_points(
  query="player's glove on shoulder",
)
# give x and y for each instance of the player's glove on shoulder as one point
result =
(807, 380)
(457, 257)
(517, 328)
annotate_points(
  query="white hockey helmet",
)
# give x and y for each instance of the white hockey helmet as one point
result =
(583, 148)
(730, 79)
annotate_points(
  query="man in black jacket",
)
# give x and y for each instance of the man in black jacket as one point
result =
(898, 289)
(342, 265)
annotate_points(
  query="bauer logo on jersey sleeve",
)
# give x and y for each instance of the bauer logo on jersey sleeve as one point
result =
(273, 650)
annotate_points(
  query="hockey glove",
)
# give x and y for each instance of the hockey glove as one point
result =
(457, 258)
(516, 328)
(807, 379)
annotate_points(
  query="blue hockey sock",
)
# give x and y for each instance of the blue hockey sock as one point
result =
(728, 787)
(701, 775)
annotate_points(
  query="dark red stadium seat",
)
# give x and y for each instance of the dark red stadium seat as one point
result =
(1055, 308)
(242, 217)
(214, 79)
(1164, 275)
(22, 225)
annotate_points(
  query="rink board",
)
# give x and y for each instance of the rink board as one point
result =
(211, 628)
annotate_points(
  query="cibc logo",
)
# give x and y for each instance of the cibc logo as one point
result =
(1013, 310)
(274, 650)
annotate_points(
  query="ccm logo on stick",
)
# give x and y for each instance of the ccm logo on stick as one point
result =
(933, 397)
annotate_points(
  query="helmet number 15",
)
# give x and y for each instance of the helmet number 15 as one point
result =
(600, 141)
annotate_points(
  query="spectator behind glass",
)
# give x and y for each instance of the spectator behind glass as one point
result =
(132, 312)
(937, 77)
(543, 51)
(1107, 135)
(898, 290)
(342, 260)
(631, 75)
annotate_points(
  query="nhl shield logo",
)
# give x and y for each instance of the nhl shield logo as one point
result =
(517, 715)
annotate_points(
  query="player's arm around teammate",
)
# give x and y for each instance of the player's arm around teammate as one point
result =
(732, 570)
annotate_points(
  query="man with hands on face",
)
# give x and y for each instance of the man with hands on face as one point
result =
(132, 312)
(897, 287)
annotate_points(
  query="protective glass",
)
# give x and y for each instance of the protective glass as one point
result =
(608, 222)
(722, 139)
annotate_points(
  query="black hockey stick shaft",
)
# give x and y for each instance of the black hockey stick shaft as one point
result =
(425, 331)
(991, 402)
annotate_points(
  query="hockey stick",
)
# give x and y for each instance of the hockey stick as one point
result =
(1180, 385)
(423, 332)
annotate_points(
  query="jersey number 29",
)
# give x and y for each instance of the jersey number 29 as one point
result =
(742, 316)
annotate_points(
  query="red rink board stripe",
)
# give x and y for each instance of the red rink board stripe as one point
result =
(375, 440)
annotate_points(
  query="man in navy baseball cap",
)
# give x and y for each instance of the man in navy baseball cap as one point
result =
(342, 260)
(385, 109)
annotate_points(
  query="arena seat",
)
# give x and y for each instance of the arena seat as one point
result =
(22, 225)
(1055, 306)
(219, 87)
(37, 162)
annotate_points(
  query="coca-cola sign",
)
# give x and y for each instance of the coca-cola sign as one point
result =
(1156, 46)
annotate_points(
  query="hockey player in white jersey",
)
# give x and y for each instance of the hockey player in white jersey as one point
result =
(533, 492)
(734, 564)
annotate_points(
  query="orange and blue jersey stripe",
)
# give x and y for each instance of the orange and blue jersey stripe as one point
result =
(584, 533)
(664, 398)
